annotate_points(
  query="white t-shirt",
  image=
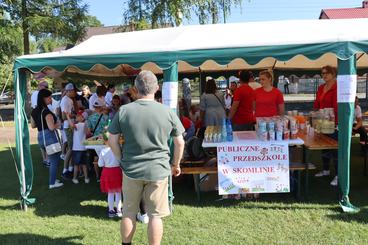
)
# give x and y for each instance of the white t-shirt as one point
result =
(254, 85)
(108, 98)
(34, 97)
(79, 136)
(227, 101)
(357, 113)
(67, 106)
(107, 159)
(93, 99)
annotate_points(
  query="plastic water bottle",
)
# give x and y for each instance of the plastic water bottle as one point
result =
(223, 131)
(229, 131)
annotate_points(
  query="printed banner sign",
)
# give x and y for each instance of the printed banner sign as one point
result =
(253, 168)
(346, 88)
(170, 94)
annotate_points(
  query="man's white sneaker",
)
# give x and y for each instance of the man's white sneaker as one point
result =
(335, 181)
(86, 180)
(322, 173)
(75, 181)
(56, 185)
(143, 218)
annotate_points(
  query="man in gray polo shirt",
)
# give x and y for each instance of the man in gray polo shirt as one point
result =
(147, 127)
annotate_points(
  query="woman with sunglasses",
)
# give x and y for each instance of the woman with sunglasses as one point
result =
(327, 98)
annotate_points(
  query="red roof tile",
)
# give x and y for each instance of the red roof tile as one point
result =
(345, 13)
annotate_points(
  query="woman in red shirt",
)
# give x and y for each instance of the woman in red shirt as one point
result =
(327, 98)
(268, 101)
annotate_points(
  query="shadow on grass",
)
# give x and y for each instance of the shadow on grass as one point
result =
(23, 238)
(87, 200)
(66, 200)
(360, 217)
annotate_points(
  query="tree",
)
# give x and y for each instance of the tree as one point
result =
(212, 10)
(63, 19)
(10, 46)
(162, 12)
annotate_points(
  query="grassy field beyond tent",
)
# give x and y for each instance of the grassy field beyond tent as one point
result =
(76, 214)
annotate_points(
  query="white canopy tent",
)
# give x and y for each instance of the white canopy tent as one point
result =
(298, 44)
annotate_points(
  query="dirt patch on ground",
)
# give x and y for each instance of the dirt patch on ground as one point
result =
(8, 133)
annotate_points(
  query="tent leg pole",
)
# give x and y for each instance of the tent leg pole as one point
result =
(171, 86)
(346, 92)
(20, 134)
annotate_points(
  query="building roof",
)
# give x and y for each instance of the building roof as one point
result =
(346, 13)
(93, 31)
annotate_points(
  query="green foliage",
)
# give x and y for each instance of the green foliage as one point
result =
(10, 41)
(92, 21)
(60, 19)
(172, 12)
(48, 44)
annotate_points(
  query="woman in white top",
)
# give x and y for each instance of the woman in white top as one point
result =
(228, 99)
(99, 95)
(358, 122)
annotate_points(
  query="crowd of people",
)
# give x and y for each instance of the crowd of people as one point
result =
(145, 155)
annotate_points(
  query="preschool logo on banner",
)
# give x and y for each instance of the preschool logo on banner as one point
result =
(253, 168)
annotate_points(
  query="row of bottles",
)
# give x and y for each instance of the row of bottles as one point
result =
(221, 133)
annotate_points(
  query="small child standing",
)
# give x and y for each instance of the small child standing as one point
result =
(111, 179)
(79, 151)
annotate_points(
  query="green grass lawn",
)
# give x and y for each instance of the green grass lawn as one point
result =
(76, 214)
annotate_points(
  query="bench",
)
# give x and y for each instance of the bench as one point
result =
(197, 170)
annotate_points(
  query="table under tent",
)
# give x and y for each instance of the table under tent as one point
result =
(294, 44)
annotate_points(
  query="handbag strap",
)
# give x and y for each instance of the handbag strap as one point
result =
(98, 121)
(43, 130)
(223, 106)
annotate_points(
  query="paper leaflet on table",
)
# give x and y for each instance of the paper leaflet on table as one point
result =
(170, 94)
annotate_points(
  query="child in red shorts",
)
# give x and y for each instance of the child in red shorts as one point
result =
(111, 180)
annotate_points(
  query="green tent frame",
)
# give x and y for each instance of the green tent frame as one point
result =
(345, 52)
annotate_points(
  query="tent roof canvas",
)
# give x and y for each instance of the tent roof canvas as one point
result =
(264, 43)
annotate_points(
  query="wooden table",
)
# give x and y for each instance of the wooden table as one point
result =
(313, 142)
(318, 141)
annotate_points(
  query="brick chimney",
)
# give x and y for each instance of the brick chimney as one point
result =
(365, 4)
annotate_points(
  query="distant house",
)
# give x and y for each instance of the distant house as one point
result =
(346, 13)
(102, 30)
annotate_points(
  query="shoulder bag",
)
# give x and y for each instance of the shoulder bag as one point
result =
(53, 147)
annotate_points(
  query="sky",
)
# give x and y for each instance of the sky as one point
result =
(110, 12)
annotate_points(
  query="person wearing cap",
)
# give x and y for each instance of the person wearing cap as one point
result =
(67, 107)
(241, 112)
(95, 126)
(145, 156)
(99, 95)
(79, 151)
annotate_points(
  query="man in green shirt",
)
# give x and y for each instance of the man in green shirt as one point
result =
(147, 127)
